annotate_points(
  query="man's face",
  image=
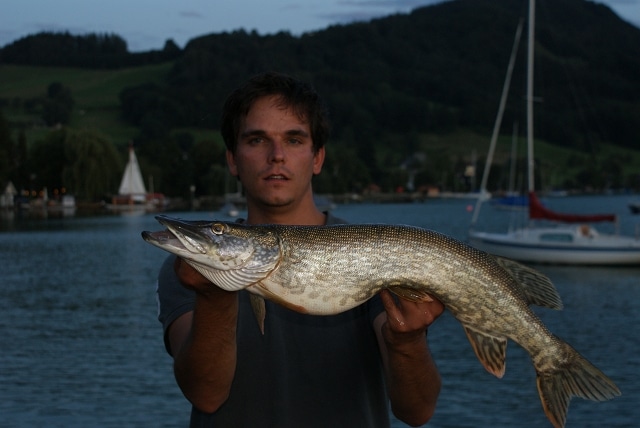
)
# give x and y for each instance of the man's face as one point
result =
(274, 158)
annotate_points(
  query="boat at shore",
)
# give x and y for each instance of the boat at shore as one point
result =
(567, 239)
(132, 194)
(550, 237)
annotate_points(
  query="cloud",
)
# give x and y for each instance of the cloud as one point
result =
(191, 14)
(58, 28)
(623, 2)
(365, 10)
(389, 4)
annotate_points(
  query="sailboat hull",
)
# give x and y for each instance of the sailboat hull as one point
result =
(567, 245)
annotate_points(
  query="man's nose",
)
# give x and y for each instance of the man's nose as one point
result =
(277, 151)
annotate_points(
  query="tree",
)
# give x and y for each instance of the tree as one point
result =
(57, 105)
(19, 173)
(82, 162)
(47, 160)
(209, 168)
(6, 150)
(93, 166)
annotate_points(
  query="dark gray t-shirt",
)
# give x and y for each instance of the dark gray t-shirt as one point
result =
(305, 371)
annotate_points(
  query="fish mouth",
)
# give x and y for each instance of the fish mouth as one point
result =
(184, 236)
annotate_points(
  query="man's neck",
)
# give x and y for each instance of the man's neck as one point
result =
(308, 215)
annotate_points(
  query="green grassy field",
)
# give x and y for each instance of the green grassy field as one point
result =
(97, 108)
(95, 93)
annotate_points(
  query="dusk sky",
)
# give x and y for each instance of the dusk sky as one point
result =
(147, 24)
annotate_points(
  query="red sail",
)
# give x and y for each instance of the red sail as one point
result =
(537, 211)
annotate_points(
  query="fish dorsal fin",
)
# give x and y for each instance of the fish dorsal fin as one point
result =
(490, 350)
(411, 294)
(537, 287)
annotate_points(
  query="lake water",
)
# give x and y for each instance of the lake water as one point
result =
(81, 345)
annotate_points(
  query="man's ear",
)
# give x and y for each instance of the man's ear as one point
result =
(318, 161)
(231, 163)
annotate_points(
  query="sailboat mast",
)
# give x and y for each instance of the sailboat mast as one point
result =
(530, 48)
(496, 126)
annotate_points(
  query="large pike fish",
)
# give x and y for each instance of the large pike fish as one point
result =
(326, 270)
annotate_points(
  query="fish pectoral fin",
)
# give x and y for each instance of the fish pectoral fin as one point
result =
(411, 294)
(259, 290)
(259, 309)
(490, 350)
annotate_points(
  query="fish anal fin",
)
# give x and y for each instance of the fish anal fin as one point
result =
(490, 350)
(411, 294)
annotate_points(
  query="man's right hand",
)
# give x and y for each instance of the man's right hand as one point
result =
(194, 280)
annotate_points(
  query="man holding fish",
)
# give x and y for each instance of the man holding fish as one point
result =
(290, 369)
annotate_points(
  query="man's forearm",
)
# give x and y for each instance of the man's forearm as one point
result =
(205, 361)
(412, 377)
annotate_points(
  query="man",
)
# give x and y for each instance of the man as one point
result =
(305, 371)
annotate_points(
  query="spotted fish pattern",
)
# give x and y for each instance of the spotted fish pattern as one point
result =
(324, 270)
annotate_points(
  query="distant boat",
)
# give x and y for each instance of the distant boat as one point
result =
(7, 198)
(570, 240)
(510, 202)
(324, 203)
(230, 209)
(132, 193)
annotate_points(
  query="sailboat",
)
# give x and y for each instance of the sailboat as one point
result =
(569, 238)
(512, 199)
(132, 193)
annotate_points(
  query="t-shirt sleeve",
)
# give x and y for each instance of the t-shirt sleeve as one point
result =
(173, 298)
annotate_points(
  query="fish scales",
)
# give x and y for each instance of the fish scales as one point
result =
(326, 270)
(337, 261)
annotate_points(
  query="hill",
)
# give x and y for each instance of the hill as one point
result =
(95, 92)
(441, 68)
(417, 89)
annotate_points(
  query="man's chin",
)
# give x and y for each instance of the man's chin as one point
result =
(275, 201)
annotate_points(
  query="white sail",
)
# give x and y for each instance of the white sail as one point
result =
(132, 183)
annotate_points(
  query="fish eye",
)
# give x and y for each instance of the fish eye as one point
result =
(217, 228)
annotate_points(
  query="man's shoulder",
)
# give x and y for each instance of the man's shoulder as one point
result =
(332, 219)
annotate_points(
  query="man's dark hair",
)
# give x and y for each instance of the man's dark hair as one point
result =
(293, 93)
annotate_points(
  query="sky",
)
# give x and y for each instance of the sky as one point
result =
(147, 24)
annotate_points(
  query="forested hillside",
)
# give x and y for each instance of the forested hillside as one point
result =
(396, 87)
(440, 68)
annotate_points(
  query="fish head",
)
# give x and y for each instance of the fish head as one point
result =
(231, 255)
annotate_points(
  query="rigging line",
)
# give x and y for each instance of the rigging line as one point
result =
(496, 127)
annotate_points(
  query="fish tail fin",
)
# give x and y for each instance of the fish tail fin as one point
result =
(577, 377)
